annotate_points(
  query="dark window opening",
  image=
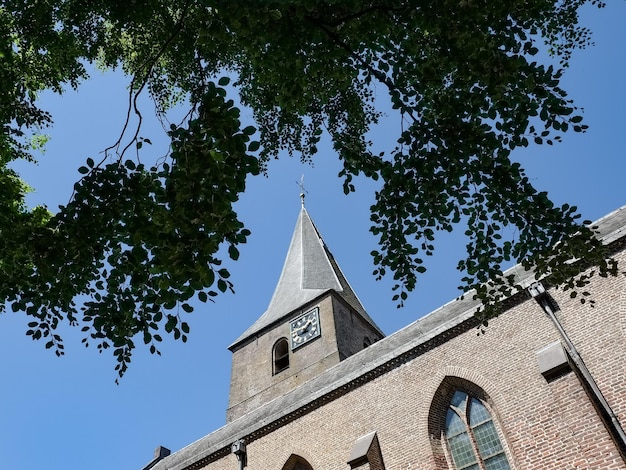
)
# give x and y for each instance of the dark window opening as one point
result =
(281, 355)
(295, 462)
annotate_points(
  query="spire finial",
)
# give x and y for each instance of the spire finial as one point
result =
(303, 191)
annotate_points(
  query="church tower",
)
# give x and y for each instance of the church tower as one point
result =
(314, 321)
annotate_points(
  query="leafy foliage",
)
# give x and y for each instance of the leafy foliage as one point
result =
(137, 240)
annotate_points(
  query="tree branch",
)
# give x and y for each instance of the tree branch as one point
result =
(381, 77)
(133, 96)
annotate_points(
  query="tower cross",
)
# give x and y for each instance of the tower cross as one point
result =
(303, 191)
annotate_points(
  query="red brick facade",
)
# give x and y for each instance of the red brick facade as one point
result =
(543, 425)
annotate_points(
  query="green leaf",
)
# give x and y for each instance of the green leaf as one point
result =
(171, 323)
(233, 252)
(187, 308)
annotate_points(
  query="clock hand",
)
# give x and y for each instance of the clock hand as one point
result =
(298, 331)
(304, 328)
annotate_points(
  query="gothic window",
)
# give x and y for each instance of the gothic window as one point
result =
(281, 355)
(471, 435)
(295, 462)
(366, 342)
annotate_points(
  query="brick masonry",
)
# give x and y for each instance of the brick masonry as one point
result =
(543, 425)
(400, 388)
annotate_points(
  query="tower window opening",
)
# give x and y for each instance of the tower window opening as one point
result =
(281, 355)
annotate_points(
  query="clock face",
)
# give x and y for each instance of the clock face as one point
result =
(305, 328)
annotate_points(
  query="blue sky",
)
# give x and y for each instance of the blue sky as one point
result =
(68, 412)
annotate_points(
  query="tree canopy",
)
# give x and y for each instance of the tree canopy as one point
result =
(138, 240)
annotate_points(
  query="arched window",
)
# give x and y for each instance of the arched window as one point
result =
(471, 435)
(281, 355)
(295, 462)
(366, 342)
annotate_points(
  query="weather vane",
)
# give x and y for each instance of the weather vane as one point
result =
(303, 191)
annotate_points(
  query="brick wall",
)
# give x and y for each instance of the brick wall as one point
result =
(543, 425)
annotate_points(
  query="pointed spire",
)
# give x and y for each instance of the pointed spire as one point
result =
(309, 271)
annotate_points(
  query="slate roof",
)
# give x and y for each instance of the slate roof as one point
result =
(357, 368)
(309, 271)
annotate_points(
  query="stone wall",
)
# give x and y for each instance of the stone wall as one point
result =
(351, 329)
(252, 380)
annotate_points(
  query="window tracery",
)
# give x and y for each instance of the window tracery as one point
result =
(471, 435)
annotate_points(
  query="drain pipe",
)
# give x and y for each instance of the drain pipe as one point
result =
(239, 449)
(538, 292)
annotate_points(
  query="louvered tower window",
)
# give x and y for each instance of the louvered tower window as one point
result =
(281, 355)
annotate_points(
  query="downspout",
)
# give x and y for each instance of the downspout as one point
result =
(538, 292)
(239, 449)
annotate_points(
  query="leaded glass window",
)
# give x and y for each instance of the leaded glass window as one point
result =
(472, 436)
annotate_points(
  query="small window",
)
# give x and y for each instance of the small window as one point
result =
(281, 355)
(366, 342)
(472, 435)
